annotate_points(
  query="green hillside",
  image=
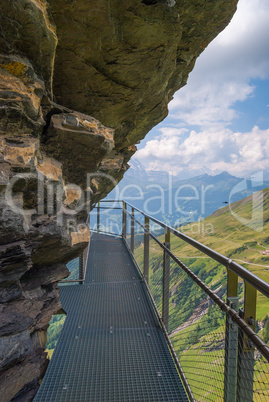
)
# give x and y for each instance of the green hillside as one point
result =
(249, 246)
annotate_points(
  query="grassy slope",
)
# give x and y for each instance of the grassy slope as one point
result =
(235, 240)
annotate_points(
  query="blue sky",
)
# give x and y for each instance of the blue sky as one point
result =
(220, 119)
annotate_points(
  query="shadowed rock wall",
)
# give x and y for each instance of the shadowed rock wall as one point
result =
(80, 83)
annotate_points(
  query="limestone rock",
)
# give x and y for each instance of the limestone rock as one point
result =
(28, 32)
(121, 62)
(79, 142)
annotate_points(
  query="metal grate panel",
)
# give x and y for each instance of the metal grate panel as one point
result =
(121, 305)
(125, 365)
(109, 268)
(111, 347)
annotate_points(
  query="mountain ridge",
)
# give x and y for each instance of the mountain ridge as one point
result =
(179, 201)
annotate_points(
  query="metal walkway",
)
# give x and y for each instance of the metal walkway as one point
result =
(111, 347)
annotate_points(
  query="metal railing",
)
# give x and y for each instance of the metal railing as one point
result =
(78, 266)
(214, 343)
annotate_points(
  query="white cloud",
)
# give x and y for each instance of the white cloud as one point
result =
(202, 111)
(238, 153)
(209, 104)
(222, 73)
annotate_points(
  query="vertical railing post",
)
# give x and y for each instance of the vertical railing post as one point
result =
(246, 358)
(231, 340)
(146, 250)
(85, 260)
(132, 231)
(166, 278)
(80, 268)
(98, 217)
(123, 220)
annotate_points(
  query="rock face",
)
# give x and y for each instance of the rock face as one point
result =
(81, 83)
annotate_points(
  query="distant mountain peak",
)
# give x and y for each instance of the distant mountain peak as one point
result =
(224, 174)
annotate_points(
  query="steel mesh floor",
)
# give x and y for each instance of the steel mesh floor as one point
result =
(111, 347)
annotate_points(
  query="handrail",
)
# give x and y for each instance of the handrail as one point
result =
(248, 276)
(224, 307)
(251, 278)
(84, 257)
